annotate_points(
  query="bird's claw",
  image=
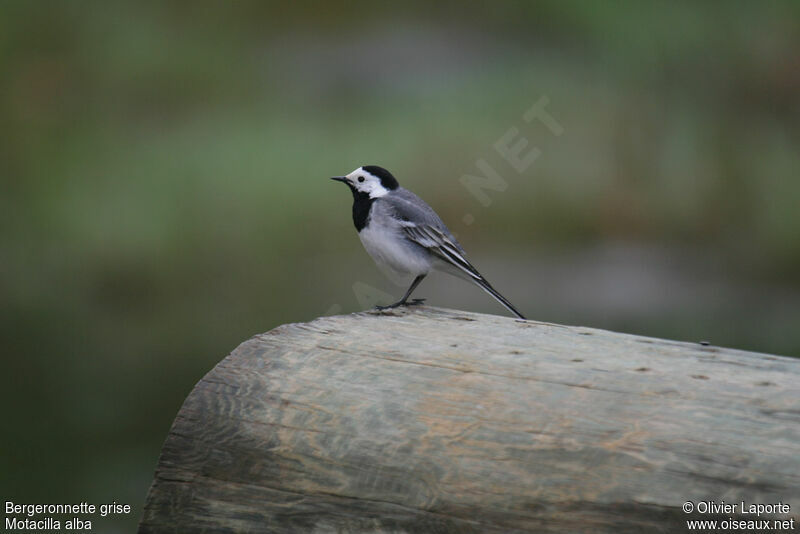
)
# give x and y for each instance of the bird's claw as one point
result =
(414, 302)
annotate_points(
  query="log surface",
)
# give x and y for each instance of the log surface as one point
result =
(428, 420)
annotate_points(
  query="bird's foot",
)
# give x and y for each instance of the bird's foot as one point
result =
(414, 302)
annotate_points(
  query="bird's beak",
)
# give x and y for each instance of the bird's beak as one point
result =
(340, 178)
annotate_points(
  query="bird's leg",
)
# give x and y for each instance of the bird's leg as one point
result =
(404, 301)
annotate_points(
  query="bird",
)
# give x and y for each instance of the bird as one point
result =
(403, 234)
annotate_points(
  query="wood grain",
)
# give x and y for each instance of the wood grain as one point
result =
(436, 421)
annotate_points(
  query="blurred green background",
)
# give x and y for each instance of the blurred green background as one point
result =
(165, 196)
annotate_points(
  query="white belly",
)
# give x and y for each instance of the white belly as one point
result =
(395, 256)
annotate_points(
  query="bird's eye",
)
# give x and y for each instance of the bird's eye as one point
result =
(360, 178)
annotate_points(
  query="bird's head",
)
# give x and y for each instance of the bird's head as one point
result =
(369, 180)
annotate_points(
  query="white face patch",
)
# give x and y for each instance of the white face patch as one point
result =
(367, 183)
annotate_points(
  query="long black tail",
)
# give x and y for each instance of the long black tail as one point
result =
(486, 286)
(446, 249)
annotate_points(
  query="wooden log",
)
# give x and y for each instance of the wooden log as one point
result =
(427, 420)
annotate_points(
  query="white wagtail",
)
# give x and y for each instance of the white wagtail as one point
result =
(402, 233)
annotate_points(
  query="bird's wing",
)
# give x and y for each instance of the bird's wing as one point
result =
(409, 208)
(421, 225)
(441, 245)
(424, 227)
